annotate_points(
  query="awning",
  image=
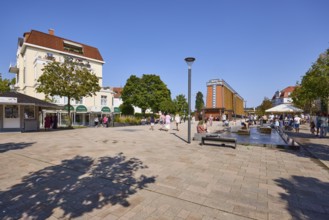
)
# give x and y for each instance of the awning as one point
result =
(106, 109)
(117, 110)
(66, 108)
(81, 108)
(282, 108)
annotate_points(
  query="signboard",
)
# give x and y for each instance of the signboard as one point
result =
(106, 109)
(8, 100)
(81, 108)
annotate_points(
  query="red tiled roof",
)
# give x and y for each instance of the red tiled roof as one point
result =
(286, 92)
(57, 43)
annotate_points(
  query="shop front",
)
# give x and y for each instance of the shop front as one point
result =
(19, 112)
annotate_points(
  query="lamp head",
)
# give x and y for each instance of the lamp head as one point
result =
(189, 61)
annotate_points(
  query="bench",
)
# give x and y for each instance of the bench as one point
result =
(222, 140)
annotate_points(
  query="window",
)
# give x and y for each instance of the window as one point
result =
(73, 47)
(56, 99)
(11, 111)
(103, 100)
(29, 112)
(79, 102)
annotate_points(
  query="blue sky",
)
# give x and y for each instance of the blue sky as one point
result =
(257, 46)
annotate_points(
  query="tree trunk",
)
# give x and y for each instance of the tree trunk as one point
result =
(69, 111)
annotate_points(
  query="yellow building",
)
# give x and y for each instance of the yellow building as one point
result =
(223, 99)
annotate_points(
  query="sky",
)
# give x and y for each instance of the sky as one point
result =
(256, 46)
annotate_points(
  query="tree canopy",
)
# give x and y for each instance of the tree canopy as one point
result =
(5, 84)
(149, 91)
(199, 103)
(266, 104)
(181, 105)
(314, 84)
(69, 80)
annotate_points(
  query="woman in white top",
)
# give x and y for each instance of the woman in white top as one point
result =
(177, 120)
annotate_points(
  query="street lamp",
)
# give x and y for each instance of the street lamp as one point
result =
(189, 61)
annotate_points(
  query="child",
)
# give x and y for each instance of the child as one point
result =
(312, 125)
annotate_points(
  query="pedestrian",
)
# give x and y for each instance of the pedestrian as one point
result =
(211, 118)
(96, 121)
(177, 120)
(167, 120)
(312, 127)
(105, 119)
(152, 122)
(297, 120)
(47, 122)
(323, 125)
(318, 123)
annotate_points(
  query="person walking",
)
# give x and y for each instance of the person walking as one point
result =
(323, 125)
(96, 121)
(177, 120)
(152, 121)
(168, 120)
(297, 123)
(211, 118)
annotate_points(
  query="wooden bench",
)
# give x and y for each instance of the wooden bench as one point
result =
(222, 140)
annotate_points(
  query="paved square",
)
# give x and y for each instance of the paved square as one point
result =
(135, 173)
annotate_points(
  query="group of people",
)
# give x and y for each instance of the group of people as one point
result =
(319, 125)
(102, 122)
(51, 121)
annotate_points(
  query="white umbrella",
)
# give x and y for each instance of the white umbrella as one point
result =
(284, 108)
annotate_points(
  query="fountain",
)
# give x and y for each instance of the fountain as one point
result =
(260, 136)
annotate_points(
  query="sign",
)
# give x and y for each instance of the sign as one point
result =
(117, 110)
(67, 108)
(106, 109)
(8, 100)
(81, 108)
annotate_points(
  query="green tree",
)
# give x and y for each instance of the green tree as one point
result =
(266, 104)
(314, 84)
(180, 104)
(145, 92)
(167, 106)
(5, 84)
(199, 103)
(69, 80)
(127, 109)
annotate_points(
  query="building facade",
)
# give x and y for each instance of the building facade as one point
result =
(36, 49)
(223, 99)
(283, 96)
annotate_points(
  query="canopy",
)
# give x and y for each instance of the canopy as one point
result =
(284, 108)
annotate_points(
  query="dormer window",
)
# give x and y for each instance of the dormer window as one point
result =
(73, 47)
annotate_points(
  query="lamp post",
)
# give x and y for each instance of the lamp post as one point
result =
(189, 61)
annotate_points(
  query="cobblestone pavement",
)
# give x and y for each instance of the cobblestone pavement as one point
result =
(135, 173)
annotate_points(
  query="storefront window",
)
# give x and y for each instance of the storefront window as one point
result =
(29, 112)
(11, 111)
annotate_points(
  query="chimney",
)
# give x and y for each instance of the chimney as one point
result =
(26, 35)
(51, 31)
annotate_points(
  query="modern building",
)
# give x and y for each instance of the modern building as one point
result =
(283, 96)
(36, 49)
(223, 99)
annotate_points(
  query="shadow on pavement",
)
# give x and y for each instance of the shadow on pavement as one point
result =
(179, 137)
(14, 146)
(308, 141)
(74, 187)
(307, 197)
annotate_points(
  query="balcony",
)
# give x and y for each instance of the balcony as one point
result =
(13, 69)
